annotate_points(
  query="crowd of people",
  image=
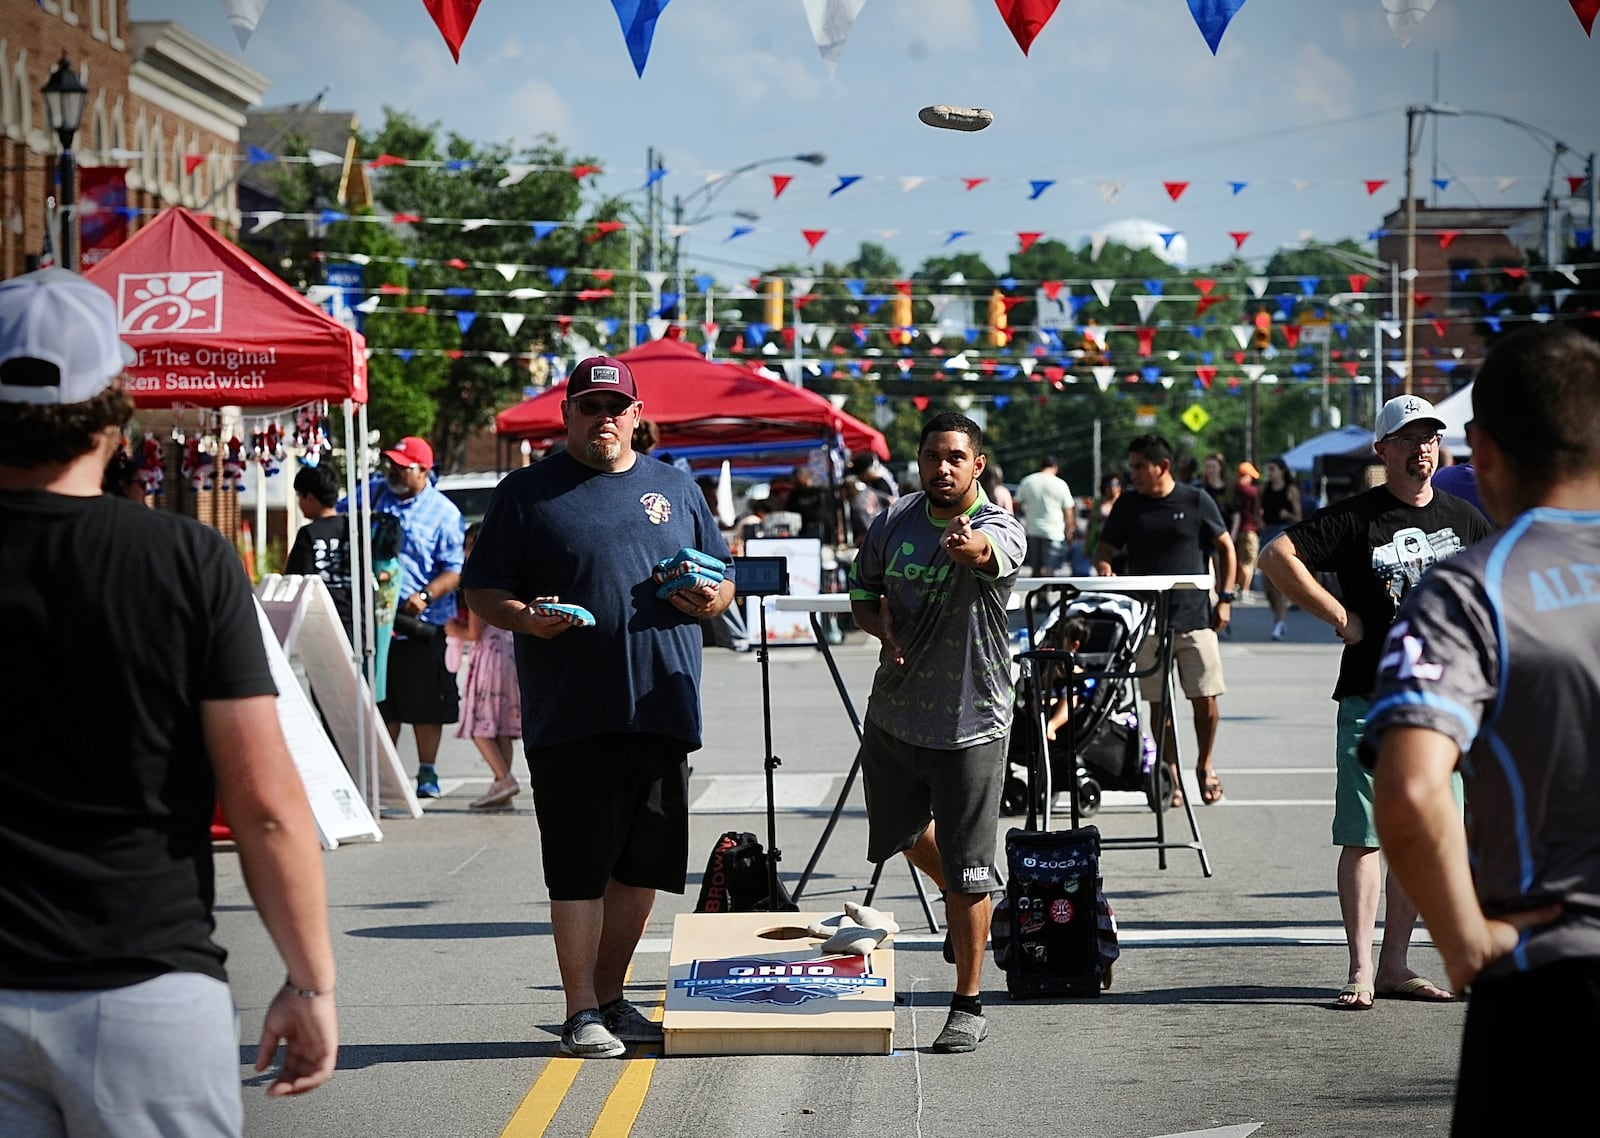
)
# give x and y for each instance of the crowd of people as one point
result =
(1469, 679)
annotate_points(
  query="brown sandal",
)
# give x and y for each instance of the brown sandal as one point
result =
(1210, 787)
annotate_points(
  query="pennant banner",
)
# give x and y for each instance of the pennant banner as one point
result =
(1405, 16)
(638, 19)
(1212, 18)
(831, 21)
(244, 15)
(1026, 18)
(454, 19)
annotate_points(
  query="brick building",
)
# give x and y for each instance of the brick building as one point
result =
(163, 105)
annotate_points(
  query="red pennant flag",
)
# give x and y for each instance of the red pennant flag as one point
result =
(1147, 339)
(564, 323)
(812, 236)
(738, 344)
(974, 183)
(1206, 302)
(1516, 272)
(1238, 358)
(1055, 373)
(603, 275)
(1439, 328)
(454, 18)
(710, 330)
(1291, 335)
(1575, 183)
(1359, 282)
(1240, 236)
(1012, 301)
(1026, 18)
(193, 162)
(1422, 299)
(1028, 239)
(1175, 189)
(392, 289)
(1204, 285)
(1586, 10)
(918, 401)
(455, 353)
(1052, 289)
(1375, 184)
(456, 263)
(406, 218)
(584, 169)
(986, 366)
(786, 334)
(1205, 373)
(801, 301)
(903, 287)
(858, 331)
(780, 182)
(417, 310)
(754, 282)
(594, 293)
(601, 229)
(388, 160)
(1447, 237)
(1350, 368)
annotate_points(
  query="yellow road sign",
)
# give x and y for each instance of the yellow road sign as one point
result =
(1195, 418)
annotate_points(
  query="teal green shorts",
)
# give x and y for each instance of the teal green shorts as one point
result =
(1352, 798)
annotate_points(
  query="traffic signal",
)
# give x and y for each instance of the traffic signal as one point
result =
(1261, 340)
(899, 318)
(774, 293)
(998, 336)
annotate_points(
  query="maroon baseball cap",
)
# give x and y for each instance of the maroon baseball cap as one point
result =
(602, 373)
(411, 451)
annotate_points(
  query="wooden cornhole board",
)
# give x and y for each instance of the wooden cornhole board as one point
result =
(731, 991)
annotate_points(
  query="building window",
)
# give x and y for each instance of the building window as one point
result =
(21, 98)
(97, 23)
(52, 7)
(119, 129)
(68, 13)
(8, 109)
(113, 24)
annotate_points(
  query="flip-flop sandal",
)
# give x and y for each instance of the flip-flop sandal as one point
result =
(1355, 1004)
(1210, 788)
(1416, 988)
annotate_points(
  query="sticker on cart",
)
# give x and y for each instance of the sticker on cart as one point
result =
(1061, 911)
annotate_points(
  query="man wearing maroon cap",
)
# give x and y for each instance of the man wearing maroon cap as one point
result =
(421, 686)
(611, 695)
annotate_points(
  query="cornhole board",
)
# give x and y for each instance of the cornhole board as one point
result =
(733, 991)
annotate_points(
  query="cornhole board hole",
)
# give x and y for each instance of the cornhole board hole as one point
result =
(758, 984)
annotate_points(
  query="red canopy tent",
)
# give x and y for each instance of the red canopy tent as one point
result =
(703, 407)
(214, 328)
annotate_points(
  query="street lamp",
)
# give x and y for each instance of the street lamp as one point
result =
(64, 96)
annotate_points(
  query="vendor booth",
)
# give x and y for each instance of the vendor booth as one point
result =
(250, 368)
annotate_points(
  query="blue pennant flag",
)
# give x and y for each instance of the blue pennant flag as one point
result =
(1207, 357)
(1039, 187)
(456, 165)
(826, 367)
(1151, 373)
(1168, 238)
(405, 354)
(956, 235)
(329, 216)
(1053, 339)
(655, 176)
(1006, 371)
(641, 333)
(460, 290)
(409, 262)
(1001, 401)
(609, 326)
(1492, 300)
(1008, 283)
(756, 333)
(1342, 331)
(1374, 234)
(704, 281)
(1308, 285)
(1237, 187)
(638, 19)
(972, 335)
(542, 229)
(845, 182)
(1300, 369)
(464, 320)
(1197, 331)
(1212, 16)
(855, 288)
(1447, 365)
(1075, 303)
(1286, 304)
(669, 301)
(256, 154)
(1442, 183)
(738, 231)
(874, 303)
(1462, 275)
(1155, 287)
(556, 274)
(1583, 238)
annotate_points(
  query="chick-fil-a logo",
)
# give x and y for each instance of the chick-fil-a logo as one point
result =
(149, 303)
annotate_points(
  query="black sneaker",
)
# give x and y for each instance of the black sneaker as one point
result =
(962, 1032)
(628, 1024)
(586, 1036)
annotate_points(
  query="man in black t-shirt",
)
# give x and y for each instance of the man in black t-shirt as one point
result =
(137, 693)
(1170, 528)
(322, 547)
(1378, 544)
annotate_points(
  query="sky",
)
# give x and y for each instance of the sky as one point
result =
(1304, 103)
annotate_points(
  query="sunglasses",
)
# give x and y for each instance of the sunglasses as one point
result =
(594, 408)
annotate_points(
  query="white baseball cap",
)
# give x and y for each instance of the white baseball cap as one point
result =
(58, 339)
(1402, 411)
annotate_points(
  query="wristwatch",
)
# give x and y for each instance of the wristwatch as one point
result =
(1224, 598)
(427, 597)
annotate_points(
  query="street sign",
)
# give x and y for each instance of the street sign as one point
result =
(1144, 416)
(1316, 331)
(1195, 418)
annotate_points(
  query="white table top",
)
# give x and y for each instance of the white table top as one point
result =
(1151, 583)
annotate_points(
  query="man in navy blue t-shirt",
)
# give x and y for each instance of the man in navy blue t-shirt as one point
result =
(610, 710)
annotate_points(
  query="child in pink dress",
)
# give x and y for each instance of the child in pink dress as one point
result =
(491, 710)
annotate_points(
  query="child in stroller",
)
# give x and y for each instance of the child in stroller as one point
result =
(1102, 632)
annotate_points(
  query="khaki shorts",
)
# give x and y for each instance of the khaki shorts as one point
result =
(1199, 664)
(1249, 547)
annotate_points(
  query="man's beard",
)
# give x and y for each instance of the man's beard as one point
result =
(603, 450)
(945, 499)
(1419, 469)
(400, 489)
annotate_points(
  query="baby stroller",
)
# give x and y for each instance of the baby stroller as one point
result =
(1113, 751)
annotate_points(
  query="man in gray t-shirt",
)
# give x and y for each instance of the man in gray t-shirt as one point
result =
(931, 582)
(1493, 664)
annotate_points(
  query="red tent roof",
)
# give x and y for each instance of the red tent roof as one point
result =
(213, 327)
(696, 402)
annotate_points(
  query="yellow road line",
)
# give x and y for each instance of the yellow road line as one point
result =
(539, 1105)
(622, 1105)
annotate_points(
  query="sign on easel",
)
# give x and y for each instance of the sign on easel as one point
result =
(336, 805)
(804, 557)
(308, 626)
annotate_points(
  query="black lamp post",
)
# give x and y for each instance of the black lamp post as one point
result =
(64, 96)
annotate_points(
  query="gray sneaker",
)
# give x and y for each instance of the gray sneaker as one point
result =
(962, 1032)
(629, 1024)
(586, 1037)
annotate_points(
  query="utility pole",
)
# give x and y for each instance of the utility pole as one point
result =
(1410, 313)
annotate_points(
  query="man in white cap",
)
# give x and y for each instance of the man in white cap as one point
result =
(136, 693)
(1378, 543)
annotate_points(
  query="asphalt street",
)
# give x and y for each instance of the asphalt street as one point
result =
(1219, 1021)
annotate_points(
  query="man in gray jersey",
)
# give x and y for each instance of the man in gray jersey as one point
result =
(1493, 666)
(931, 582)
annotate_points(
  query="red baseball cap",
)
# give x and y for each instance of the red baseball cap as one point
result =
(602, 373)
(411, 451)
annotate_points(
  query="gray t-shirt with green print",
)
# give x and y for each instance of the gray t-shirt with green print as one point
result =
(954, 689)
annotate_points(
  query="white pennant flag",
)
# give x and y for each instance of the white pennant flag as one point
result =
(1166, 382)
(791, 370)
(515, 172)
(658, 327)
(1102, 289)
(1391, 328)
(360, 258)
(1301, 185)
(1456, 352)
(507, 271)
(1241, 332)
(366, 353)
(1306, 235)
(498, 359)
(1560, 296)
(244, 15)
(654, 278)
(825, 334)
(830, 22)
(1504, 184)
(473, 223)
(1173, 355)
(1399, 367)
(266, 217)
(712, 333)
(1026, 363)
(1253, 372)
(801, 286)
(740, 292)
(1097, 242)
(1258, 285)
(1540, 317)
(1146, 305)
(1109, 191)
(1569, 272)
(526, 294)
(771, 349)
(676, 231)
(1405, 16)
(838, 401)
(888, 234)
(911, 183)
(321, 158)
(1410, 274)
(802, 332)
(1103, 375)
(512, 321)
(958, 362)
(1097, 334)
(369, 305)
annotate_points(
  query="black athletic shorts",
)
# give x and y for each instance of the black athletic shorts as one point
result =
(612, 807)
(421, 687)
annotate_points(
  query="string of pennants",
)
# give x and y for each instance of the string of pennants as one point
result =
(830, 21)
